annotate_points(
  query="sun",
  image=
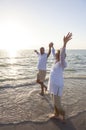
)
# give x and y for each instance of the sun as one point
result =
(15, 34)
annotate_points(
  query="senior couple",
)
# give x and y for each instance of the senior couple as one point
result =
(55, 83)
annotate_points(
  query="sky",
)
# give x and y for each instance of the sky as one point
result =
(31, 24)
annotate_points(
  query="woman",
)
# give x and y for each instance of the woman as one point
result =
(56, 83)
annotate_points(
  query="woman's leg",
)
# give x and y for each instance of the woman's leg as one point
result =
(56, 111)
(58, 107)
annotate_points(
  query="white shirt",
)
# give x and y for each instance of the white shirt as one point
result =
(56, 81)
(42, 61)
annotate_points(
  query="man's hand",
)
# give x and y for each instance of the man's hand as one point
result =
(36, 51)
(51, 44)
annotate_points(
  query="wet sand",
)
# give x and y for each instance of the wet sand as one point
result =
(77, 122)
(22, 109)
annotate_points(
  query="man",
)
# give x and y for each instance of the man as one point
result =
(42, 61)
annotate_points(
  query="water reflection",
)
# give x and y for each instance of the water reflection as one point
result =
(12, 61)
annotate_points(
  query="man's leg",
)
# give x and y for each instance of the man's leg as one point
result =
(42, 87)
(40, 78)
(45, 87)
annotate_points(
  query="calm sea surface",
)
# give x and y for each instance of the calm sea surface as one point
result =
(18, 86)
(22, 68)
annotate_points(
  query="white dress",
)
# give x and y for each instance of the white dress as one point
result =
(56, 81)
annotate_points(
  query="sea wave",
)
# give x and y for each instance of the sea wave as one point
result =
(74, 70)
(22, 82)
(6, 86)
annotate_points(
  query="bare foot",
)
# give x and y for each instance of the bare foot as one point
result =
(53, 116)
(62, 118)
(42, 94)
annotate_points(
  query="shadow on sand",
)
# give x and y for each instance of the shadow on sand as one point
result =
(77, 122)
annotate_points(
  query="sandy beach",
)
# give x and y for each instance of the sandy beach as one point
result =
(25, 109)
(77, 122)
(26, 104)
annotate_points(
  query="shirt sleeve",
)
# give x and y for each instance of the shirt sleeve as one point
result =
(62, 57)
(53, 52)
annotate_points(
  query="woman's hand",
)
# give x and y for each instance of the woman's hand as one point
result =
(67, 38)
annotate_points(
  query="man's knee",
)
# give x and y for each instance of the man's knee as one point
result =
(38, 81)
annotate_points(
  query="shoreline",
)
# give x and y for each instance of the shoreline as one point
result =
(26, 104)
(22, 109)
(77, 122)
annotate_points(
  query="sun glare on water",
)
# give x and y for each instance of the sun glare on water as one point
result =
(12, 53)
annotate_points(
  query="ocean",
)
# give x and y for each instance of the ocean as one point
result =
(19, 93)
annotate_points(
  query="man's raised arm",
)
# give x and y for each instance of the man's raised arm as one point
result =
(50, 45)
(36, 52)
